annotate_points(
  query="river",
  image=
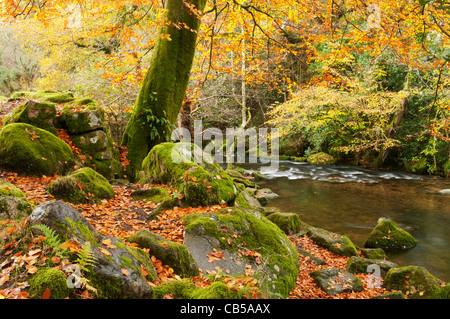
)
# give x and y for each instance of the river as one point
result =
(350, 200)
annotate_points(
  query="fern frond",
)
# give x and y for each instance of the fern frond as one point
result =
(51, 237)
(86, 258)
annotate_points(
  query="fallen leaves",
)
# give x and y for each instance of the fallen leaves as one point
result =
(215, 255)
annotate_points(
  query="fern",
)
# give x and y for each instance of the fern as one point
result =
(52, 239)
(86, 258)
(86, 261)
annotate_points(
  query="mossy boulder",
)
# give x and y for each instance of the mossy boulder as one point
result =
(170, 253)
(13, 202)
(388, 235)
(356, 265)
(335, 281)
(52, 279)
(374, 253)
(336, 243)
(153, 194)
(78, 120)
(93, 143)
(45, 95)
(81, 186)
(118, 271)
(185, 289)
(27, 149)
(321, 159)
(289, 223)
(201, 182)
(39, 114)
(234, 239)
(417, 283)
(264, 195)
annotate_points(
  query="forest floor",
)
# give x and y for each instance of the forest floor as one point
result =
(121, 217)
(21, 254)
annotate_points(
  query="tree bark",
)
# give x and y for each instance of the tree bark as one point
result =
(164, 85)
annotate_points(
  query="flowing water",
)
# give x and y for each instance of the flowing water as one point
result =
(350, 200)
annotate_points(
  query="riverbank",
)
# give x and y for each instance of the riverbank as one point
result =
(122, 217)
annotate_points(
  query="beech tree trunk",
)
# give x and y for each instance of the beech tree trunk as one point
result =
(164, 85)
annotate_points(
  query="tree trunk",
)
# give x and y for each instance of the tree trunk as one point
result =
(164, 85)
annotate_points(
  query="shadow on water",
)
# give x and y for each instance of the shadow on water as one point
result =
(350, 200)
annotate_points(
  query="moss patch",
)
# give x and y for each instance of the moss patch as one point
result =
(388, 235)
(83, 185)
(50, 278)
(27, 149)
(201, 184)
(39, 114)
(417, 282)
(256, 239)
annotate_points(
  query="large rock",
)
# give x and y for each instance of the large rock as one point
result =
(388, 235)
(417, 283)
(27, 149)
(356, 265)
(93, 143)
(290, 223)
(81, 186)
(78, 120)
(13, 203)
(118, 270)
(45, 95)
(336, 243)
(170, 253)
(335, 281)
(235, 239)
(39, 114)
(204, 183)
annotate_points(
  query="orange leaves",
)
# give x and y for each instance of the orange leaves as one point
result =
(215, 255)
(33, 135)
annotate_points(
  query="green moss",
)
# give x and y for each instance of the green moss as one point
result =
(417, 281)
(46, 95)
(257, 233)
(50, 278)
(290, 223)
(201, 184)
(27, 149)
(83, 185)
(9, 189)
(388, 235)
(217, 290)
(336, 243)
(153, 194)
(144, 260)
(417, 165)
(184, 289)
(321, 159)
(80, 120)
(79, 229)
(180, 289)
(170, 253)
(34, 113)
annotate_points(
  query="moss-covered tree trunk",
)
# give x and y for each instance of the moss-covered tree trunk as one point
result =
(164, 85)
